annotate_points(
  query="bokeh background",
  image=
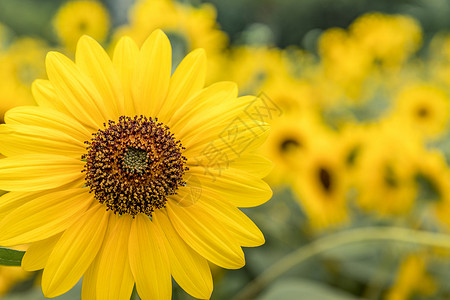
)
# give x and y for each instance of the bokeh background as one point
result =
(357, 93)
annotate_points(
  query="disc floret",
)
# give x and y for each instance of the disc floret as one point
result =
(133, 165)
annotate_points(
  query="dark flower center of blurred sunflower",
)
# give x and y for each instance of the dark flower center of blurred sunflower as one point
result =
(133, 165)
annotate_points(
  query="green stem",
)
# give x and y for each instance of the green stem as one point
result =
(329, 242)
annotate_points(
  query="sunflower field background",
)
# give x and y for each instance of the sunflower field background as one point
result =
(358, 97)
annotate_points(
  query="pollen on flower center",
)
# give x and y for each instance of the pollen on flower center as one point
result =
(133, 165)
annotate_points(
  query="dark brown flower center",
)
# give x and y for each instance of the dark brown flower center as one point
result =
(133, 165)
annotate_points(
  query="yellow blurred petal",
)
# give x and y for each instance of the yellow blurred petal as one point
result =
(148, 260)
(20, 139)
(240, 188)
(44, 216)
(74, 252)
(188, 79)
(152, 74)
(235, 221)
(95, 62)
(115, 280)
(215, 243)
(35, 172)
(189, 269)
(38, 253)
(75, 91)
(47, 118)
(124, 60)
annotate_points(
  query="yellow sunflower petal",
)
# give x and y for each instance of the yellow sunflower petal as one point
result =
(45, 95)
(38, 253)
(148, 260)
(189, 269)
(95, 62)
(230, 140)
(47, 118)
(90, 277)
(115, 280)
(124, 61)
(12, 200)
(20, 139)
(44, 216)
(215, 243)
(74, 252)
(75, 91)
(240, 188)
(152, 74)
(208, 98)
(254, 164)
(35, 172)
(234, 220)
(188, 79)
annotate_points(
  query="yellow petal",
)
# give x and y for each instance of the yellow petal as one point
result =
(74, 252)
(254, 164)
(90, 277)
(152, 74)
(20, 139)
(202, 102)
(44, 216)
(188, 79)
(206, 236)
(35, 172)
(124, 60)
(38, 253)
(189, 269)
(12, 200)
(94, 62)
(240, 188)
(115, 280)
(47, 118)
(75, 91)
(228, 140)
(148, 260)
(235, 221)
(45, 95)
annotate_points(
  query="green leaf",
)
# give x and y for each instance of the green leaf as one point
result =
(9, 257)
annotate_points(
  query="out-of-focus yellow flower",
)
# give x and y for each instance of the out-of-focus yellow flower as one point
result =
(321, 184)
(385, 175)
(344, 61)
(290, 137)
(21, 63)
(423, 107)
(390, 39)
(412, 279)
(76, 18)
(256, 68)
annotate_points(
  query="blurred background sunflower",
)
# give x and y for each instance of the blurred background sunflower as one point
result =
(358, 96)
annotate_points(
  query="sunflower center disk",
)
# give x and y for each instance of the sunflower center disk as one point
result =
(133, 165)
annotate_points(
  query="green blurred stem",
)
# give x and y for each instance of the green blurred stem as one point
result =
(395, 234)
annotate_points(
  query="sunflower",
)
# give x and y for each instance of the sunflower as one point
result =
(321, 184)
(124, 174)
(76, 18)
(386, 169)
(423, 107)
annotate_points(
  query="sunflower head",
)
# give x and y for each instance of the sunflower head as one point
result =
(124, 167)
